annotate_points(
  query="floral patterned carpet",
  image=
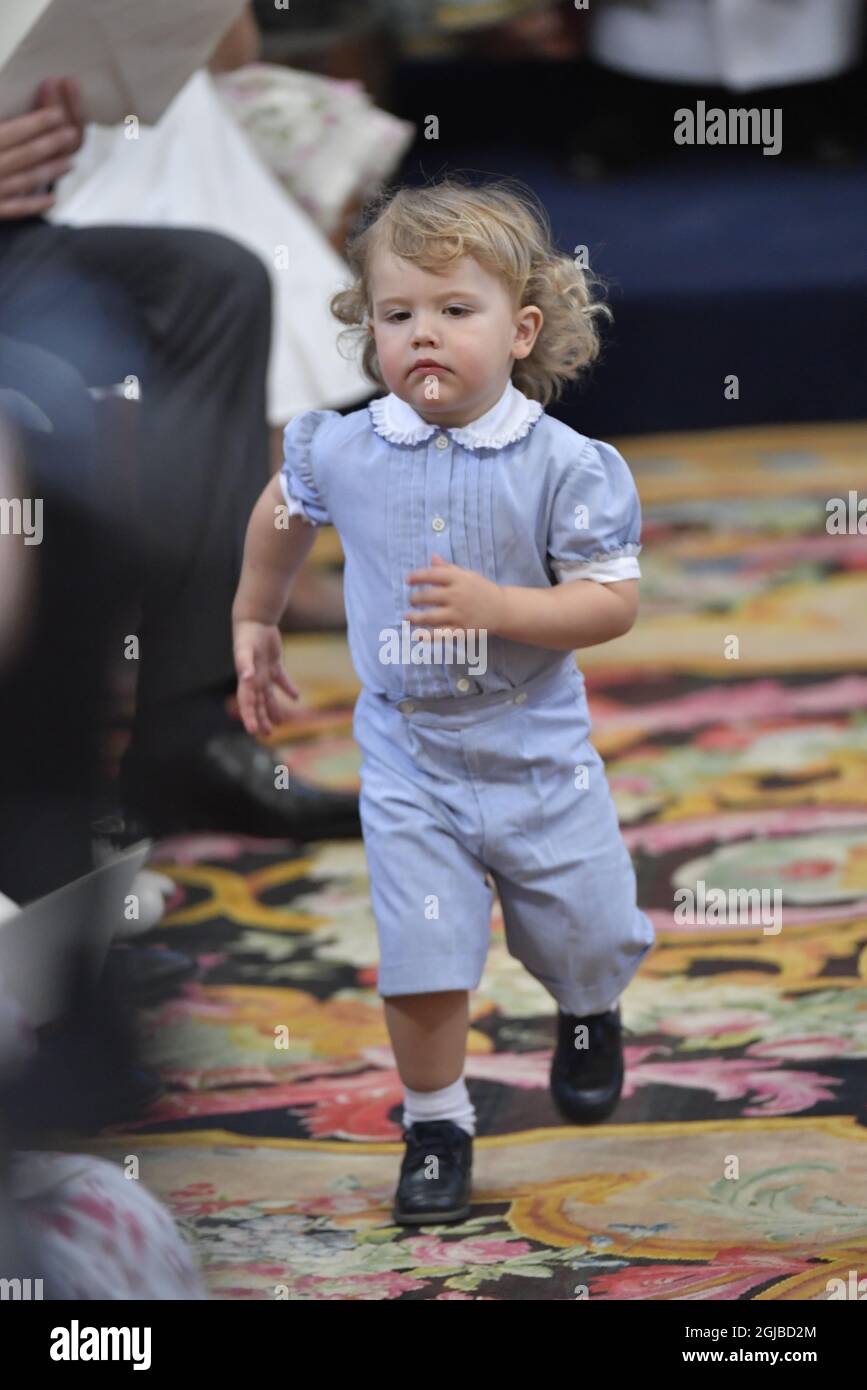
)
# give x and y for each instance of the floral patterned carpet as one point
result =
(735, 1166)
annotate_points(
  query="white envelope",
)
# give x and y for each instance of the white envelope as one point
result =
(130, 57)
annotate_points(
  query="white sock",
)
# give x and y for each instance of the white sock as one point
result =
(611, 1006)
(451, 1103)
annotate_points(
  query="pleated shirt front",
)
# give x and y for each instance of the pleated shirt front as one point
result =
(516, 496)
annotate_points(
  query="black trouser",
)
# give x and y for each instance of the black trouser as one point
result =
(187, 314)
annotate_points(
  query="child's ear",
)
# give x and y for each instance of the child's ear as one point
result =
(529, 327)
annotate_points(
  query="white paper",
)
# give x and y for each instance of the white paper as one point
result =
(129, 57)
(15, 19)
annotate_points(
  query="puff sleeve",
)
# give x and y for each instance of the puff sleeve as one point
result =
(595, 526)
(297, 476)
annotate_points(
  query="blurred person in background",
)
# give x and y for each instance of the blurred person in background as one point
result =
(495, 28)
(68, 590)
(75, 1222)
(278, 160)
(647, 58)
(184, 315)
(72, 1221)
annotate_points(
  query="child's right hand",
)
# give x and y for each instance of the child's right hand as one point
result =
(261, 676)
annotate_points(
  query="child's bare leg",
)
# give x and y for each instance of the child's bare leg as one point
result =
(429, 1037)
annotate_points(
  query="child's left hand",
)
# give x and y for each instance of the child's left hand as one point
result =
(457, 597)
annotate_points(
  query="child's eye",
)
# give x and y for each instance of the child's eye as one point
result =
(400, 314)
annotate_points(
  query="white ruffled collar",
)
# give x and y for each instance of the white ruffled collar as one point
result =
(511, 418)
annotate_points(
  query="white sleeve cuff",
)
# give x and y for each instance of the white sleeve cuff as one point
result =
(293, 506)
(602, 571)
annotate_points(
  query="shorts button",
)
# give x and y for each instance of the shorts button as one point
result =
(463, 684)
(406, 706)
(519, 699)
(442, 441)
(438, 524)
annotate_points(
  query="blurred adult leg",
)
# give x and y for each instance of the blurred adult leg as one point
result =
(204, 305)
(52, 683)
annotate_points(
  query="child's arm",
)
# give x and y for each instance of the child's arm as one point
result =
(578, 613)
(272, 558)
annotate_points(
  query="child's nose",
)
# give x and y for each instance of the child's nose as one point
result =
(424, 332)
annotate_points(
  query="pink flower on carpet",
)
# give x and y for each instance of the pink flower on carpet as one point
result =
(726, 740)
(211, 959)
(803, 1049)
(710, 1022)
(630, 784)
(195, 849)
(198, 1199)
(430, 1250)
(344, 1204)
(194, 1208)
(762, 699)
(776, 1092)
(348, 1107)
(663, 921)
(213, 1078)
(342, 1287)
(196, 1000)
(730, 1276)
(806, 868)
(662, 837)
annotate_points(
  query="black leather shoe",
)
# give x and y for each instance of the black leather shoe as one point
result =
(228, 785)
(436, 1174)
(586, 1082)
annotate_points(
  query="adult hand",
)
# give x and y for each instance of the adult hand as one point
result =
(36, 149)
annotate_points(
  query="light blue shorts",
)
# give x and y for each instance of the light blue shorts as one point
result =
(457, 789)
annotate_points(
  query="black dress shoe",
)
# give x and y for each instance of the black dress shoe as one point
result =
(229, 785)
(586, 1082)
(439, 1190)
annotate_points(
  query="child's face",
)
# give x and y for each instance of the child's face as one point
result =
(464, 320)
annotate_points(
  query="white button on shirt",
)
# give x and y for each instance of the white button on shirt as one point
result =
(463, 685)
(442, 441)
(438, 524)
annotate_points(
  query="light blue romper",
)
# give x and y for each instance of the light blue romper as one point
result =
(469, 775)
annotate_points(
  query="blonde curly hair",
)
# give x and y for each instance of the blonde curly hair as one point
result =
(504, 226)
